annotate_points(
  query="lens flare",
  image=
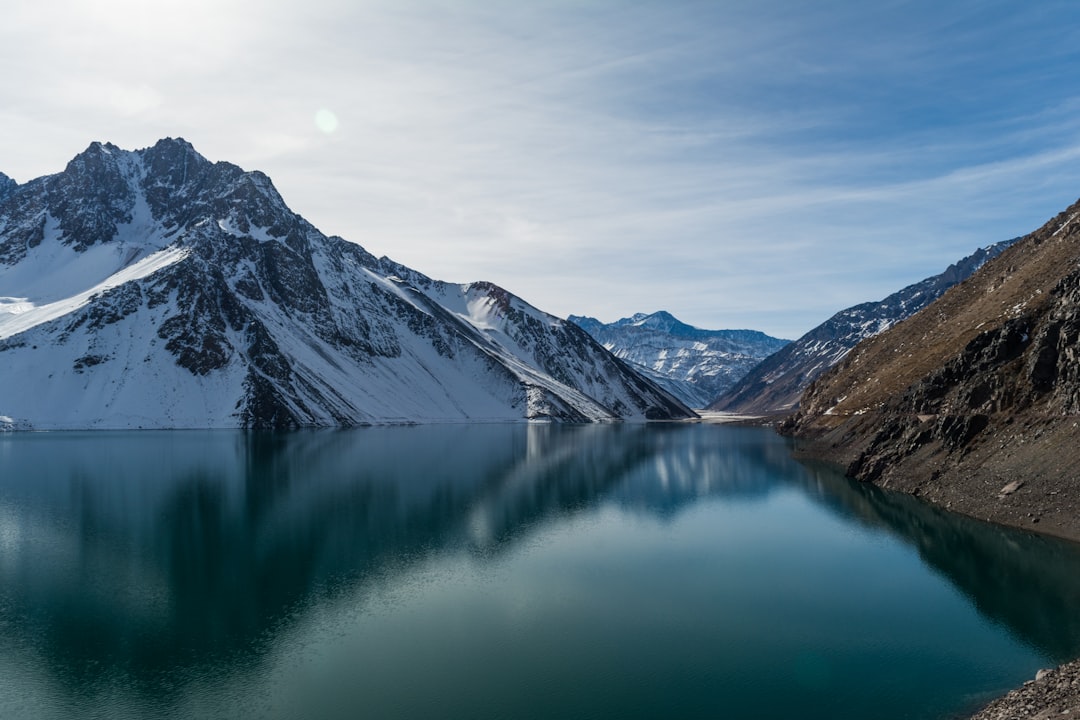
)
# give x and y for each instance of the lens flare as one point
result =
(326, 121)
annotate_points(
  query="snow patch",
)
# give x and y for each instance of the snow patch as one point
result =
(229, 226)
(482, 313)
(1065, 224)
(10, 424)
(22, 314)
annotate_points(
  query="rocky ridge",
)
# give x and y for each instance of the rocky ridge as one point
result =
(776, 385)
(693, 364)
(154, 288)
(974, 403)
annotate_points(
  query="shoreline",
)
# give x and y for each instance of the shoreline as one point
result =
(1055, 692)
(716, 417)
(1029, 491)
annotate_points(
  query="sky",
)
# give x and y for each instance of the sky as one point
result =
(759, 164)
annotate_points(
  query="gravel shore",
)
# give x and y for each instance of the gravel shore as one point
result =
(1053, 694)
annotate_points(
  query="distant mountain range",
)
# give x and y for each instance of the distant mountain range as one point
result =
(775, 385)
(693, 364)
(154, 288)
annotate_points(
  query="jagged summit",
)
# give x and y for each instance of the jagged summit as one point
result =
(660, 320)
(154, 288)
(665, 322)
(176, 144)
(694, 364)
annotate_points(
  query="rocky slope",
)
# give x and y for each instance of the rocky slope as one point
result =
(973, 403)
(777, 383)
(155, 288)
(693, 364)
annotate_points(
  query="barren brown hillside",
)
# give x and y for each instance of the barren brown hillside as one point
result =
(1016, 283)
(975, 401)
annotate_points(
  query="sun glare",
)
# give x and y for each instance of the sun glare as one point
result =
(326, 121)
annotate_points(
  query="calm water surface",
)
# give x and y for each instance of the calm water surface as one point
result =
(500, 571)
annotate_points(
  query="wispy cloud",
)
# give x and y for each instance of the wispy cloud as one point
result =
(740, 164)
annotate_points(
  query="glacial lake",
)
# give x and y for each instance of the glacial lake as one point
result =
(501, 571)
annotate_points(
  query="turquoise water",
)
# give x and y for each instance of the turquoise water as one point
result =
(500, 571)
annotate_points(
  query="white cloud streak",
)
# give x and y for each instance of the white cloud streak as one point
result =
(739, 164)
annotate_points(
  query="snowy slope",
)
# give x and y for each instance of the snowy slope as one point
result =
(778, 382)
(156, 289)
(693, 364)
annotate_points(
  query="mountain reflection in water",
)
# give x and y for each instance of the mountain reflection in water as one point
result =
(139, 556)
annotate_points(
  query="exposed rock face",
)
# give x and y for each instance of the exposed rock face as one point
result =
(157, 289)
(778, 382)
(693, 364)
(6, 185)
(974, 402)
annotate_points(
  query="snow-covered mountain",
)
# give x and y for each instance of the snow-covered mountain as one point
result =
(777, 383)
(154, 288)
(693, 364)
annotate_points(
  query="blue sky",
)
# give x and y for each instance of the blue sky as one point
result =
(740, 164)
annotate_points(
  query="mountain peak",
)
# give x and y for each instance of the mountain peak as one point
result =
(94, 159)
(6, 185)
(174, 162)
(193, 296)
(665, 322)
(101, 148)
(660, 320)
(174, 144)
(695, 365)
